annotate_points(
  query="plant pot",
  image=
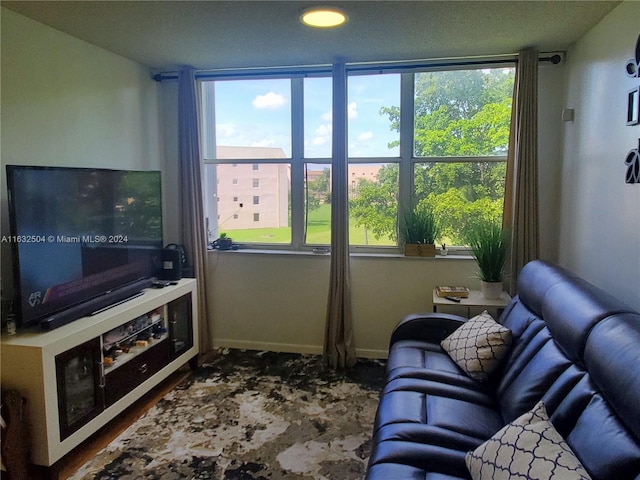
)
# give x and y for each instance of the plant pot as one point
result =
(224, 243)
(420, 250)
(491, 290)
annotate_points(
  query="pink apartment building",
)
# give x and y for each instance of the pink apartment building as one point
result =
(256, 195)
(252, 195)
(357, 172)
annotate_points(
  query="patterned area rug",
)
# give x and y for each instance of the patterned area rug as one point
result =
(250, 415)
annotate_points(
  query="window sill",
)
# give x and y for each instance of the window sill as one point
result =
(308, 253)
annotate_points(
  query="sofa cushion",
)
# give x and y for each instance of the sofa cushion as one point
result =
(427, 361)
(461, 416)
(478, 346)
(427, 434)
(466, 410)
(425, 428)
(528, 447)
(613, 345)
(534, 281)
(603, 444)
(521, 385)
(571, 309)
(394, 469)
(395, 460)
(420, 355)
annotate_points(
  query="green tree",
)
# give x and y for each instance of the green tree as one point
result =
(457, 114)
(460, 192)
(318, 190)
(374, 205)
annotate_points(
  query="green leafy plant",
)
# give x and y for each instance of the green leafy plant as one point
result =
(489, 244)
(419, 225)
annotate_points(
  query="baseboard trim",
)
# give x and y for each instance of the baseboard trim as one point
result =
(370, 353)
(268, 346)
(290, 348)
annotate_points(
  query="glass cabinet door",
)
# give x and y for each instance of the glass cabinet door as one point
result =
(180, 327)
(79, 377)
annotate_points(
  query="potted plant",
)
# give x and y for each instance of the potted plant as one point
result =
(224, 243)
(489, 244)
(418, 232)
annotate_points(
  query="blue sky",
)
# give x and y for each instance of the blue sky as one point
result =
(258, 113)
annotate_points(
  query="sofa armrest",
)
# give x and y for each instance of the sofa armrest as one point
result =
(431, 327)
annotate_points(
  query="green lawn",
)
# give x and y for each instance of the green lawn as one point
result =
(318, 232)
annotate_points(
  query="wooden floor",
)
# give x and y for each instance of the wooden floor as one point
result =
(70, 463)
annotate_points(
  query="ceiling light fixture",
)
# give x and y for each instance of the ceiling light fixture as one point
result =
(323, 17)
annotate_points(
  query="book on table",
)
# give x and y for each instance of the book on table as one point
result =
(452, 291)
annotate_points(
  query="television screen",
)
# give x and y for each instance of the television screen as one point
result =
(79, 233)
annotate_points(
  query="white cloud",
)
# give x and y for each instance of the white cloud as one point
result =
(323, 134)
(226, 130)
(323, 130)
(364, 136)
(352, 110)
(271, 100)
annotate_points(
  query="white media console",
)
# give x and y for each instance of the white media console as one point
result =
(80, 376)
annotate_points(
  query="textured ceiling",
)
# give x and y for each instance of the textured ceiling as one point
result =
(228, 34)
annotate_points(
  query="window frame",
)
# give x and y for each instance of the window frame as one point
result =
(406, 159)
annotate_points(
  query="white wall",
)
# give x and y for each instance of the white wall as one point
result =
(278, 301)
(550, 93)
(600, 214)
(171, 177)
(68, 103)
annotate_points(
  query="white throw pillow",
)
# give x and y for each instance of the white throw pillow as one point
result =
(527, 448)
(478, 345)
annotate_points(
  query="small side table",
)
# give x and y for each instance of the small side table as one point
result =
(475, 299)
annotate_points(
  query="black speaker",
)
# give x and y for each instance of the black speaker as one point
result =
(96, 305)
(171, 264)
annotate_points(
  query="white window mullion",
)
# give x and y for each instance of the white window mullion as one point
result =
(297, 164)
(405, 181)
(208, 120)
(209, 152)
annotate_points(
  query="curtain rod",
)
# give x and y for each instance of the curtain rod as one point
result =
(354, 68)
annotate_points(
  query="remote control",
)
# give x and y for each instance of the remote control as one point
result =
(453, 299)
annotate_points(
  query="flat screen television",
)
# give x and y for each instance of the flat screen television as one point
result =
(83, 238)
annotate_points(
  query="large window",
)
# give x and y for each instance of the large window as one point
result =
(433, 137)
(247, 148)
(462, 116)
(374, 156)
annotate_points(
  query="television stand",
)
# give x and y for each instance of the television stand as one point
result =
(79, 377)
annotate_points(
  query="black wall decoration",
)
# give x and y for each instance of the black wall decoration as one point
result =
(632, 161)
(633, 165)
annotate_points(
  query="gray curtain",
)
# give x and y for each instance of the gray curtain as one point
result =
(191, 200)
(339, 349)
(521, 186)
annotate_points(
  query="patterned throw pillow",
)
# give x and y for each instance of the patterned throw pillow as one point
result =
(478, 345)
(527, 448)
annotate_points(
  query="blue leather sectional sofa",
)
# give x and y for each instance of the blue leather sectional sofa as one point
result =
(574, 347)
